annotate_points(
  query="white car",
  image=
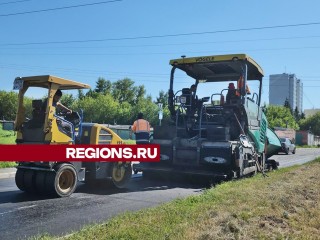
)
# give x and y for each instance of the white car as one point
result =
(287, 146)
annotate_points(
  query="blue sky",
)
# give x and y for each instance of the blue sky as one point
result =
(146, 60)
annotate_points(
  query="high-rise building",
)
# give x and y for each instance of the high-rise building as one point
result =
(300, 96)
(286, 86)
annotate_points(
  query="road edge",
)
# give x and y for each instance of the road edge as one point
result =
(7, 172)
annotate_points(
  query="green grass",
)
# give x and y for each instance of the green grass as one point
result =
(7, 164)
(7, 137)
(283, 205)
(129, 141)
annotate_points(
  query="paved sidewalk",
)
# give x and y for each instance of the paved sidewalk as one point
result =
(7, 172)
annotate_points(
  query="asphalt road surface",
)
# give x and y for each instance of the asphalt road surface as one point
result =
(23, 215)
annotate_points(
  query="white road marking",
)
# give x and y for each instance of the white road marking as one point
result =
(25, 207)
(18, 209)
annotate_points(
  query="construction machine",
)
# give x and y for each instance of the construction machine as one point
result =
(222, 135)
(46, 126)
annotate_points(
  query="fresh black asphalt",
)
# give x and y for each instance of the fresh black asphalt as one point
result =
(23, 215)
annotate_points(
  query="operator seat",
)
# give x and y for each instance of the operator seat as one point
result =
(37, 113)
(33, 129)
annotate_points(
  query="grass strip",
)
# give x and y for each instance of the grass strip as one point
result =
(7, 164)
(284, 205)
(7, 137)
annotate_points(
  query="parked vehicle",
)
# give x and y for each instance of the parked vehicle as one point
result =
(287, 146)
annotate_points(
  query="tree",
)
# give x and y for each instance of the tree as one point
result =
(296, 114)
(287, 105)
(80, 94)
(311, 123)
(148, 108)
(67, 100)
(92, 94)
(120, 105)
(27, 103)
(124, 114)
(8, 105)
(141, 91)
(279, 116)
(125, 91)
(163, 98)
(103, 86)
(102, 109)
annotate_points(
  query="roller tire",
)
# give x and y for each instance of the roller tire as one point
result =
(49, 182)
(40, 182)
(19, 179)
(29, 181)
(65, 180)
(121, 175)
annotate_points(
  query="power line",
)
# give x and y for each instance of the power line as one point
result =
(164, 35)
(59, 8)
(158, 53)
(5, 3)
(308, 99)
(178, 44)
(99, 71)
